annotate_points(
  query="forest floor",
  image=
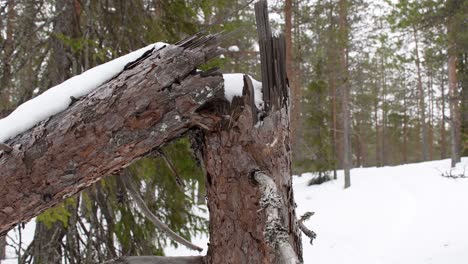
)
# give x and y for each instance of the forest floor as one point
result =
(390, 215)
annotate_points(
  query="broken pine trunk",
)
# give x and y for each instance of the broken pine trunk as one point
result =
(242, 157)
(160, 97)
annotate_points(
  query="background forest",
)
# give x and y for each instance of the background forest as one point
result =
(374, 83)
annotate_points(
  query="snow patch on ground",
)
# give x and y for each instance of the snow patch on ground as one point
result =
(58, 98)
(390, 215)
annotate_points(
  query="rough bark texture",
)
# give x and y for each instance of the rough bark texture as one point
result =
(455, 121)
(2, 247)
(153, 101)
(251, 141)
(344, 88)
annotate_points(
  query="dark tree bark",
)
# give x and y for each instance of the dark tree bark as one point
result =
(2, 248)
(150, 103)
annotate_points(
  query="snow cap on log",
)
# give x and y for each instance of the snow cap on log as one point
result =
(59, 97)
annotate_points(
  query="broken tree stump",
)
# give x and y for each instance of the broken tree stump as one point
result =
(242, 228)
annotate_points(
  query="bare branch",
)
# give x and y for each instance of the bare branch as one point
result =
(169, 164)
(309, 233)
(147, 212)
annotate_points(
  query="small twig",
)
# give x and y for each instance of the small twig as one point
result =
(147, 212)
(309, 233)
(169, 164)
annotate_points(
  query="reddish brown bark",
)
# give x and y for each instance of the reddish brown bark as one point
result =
(150, 103)
(252, 141)
(442, 122)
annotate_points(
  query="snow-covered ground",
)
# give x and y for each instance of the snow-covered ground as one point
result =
(405, 214)
(392, 215)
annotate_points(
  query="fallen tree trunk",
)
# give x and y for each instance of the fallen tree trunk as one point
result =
(247, 156)
(153, 101)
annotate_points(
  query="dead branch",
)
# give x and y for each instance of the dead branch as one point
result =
(178, 179)
(309, 233)
(147, 212)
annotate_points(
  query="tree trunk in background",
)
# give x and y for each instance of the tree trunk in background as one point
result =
(405, 130)
(453, 99)
(431, 116)
(2, 248)
(421, 105)
(47, 241)
(8, 48)
(443, 141)
(333, 93)
(378, 157)
(383, 155)
(334, 120)
(108, 129)
(344, 88)
(66, 25)
(295, 87)
(464, 103)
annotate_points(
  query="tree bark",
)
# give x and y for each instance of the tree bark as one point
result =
(344, 87)
(243, 229)
(442, 120)
(154, 100)
(2, 248)
(455, 121)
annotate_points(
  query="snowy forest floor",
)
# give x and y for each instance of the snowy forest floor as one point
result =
(390, 215)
